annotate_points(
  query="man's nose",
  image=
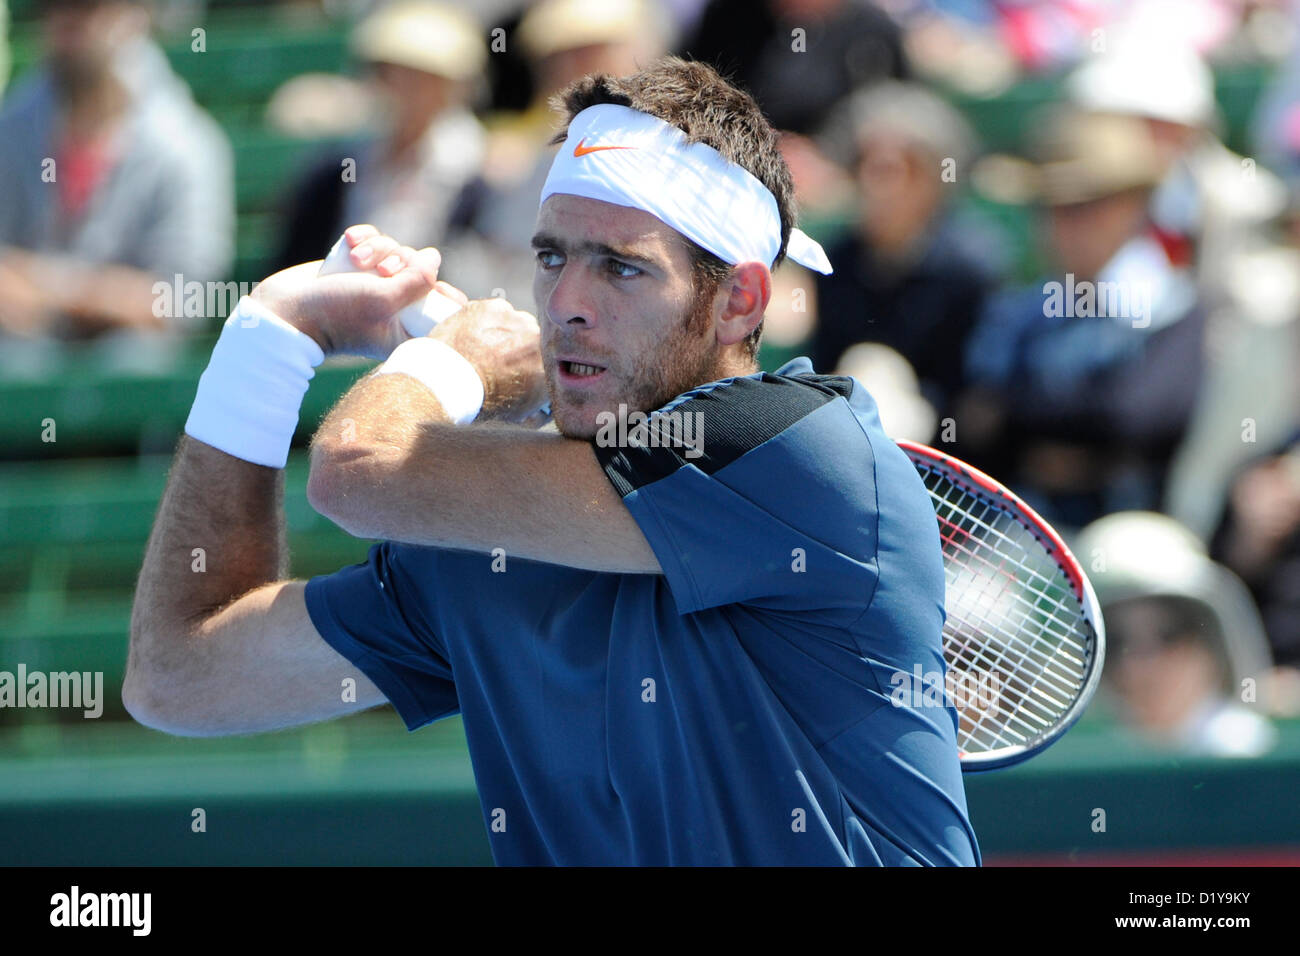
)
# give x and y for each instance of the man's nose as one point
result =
(570, 301)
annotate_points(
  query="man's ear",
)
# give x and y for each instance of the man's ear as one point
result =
(745, 296)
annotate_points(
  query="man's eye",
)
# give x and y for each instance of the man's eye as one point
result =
(549, 260)
(622, 269)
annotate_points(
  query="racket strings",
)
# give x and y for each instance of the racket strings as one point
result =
(1012, 614)
(1054, 626)
(1040, 584)
(997, 544)
(1044, 656)
(1027, 696)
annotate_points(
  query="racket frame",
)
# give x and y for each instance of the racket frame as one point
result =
(983, 486)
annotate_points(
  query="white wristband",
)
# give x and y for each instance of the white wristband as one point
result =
(444, 371)
(248, 397)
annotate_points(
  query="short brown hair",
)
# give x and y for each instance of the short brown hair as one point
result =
(696, 99)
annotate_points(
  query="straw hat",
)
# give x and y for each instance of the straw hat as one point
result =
(1076, 157)
(423, 36)
(555, 25)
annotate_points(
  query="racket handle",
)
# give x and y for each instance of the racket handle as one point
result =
(418, 318)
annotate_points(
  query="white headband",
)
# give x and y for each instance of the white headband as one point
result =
(629, 158)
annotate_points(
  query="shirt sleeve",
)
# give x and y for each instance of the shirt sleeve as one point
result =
(757, 490)
(370, 614)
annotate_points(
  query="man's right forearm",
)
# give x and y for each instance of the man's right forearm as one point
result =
(219, 534)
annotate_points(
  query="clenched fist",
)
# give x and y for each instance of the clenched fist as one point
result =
(504, 346)
(355, 313)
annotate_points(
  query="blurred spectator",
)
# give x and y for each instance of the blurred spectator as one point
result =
(567, 39)
(982, 48)
(424, 59)
(957, 43)
(1275, 127)
(906, 276)
(511, 75)
(114, 180)
(563, 40)
(1210, 202)
(1211, 211)
(1186, 661)
(1259, 539)
(799, 58)
(904, 412)
(1084, 382)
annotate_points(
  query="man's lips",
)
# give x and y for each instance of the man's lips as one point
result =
(574, 370)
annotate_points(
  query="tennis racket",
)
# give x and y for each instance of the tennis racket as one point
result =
(1023, 639)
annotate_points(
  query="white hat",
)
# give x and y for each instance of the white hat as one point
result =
(423, 36)
(555, 25)
(1132, 554)
(1156, 80)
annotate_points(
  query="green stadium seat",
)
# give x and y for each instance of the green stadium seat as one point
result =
(246, 64)
(72, 537)
(115, 412)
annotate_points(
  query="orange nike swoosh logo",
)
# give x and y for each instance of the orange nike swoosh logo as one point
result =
(581, 150)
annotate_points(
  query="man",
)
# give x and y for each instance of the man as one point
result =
(909, 277)
(1214, 211)
(114, 180)
(1082, 383)
(671, 647)
(1182, 637)
(423, 60)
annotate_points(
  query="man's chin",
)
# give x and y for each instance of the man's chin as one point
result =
(584, 420)
(576, 421)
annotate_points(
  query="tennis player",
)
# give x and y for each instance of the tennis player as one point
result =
(673, 640)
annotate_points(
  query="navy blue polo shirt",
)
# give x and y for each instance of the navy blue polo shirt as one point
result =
(735, 709)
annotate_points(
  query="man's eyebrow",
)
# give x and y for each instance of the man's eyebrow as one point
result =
(545, 240)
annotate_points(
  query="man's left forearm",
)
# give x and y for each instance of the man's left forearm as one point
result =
(386, 463)
(358, 448)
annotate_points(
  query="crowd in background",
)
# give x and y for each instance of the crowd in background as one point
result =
(1135, 385)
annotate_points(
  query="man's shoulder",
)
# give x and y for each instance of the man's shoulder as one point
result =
(757, 420)
(175, 130)
(777, 399)
(29, 105)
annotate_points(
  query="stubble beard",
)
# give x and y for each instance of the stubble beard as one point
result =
(683, 361)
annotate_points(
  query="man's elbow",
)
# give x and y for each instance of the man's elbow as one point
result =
(337, 484)
(158, 703)
(322, 491)
(326, 491)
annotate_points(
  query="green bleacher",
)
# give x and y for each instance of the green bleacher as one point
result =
(72, 536)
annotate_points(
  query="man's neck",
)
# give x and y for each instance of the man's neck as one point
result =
(88, 110)
(735, 366)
